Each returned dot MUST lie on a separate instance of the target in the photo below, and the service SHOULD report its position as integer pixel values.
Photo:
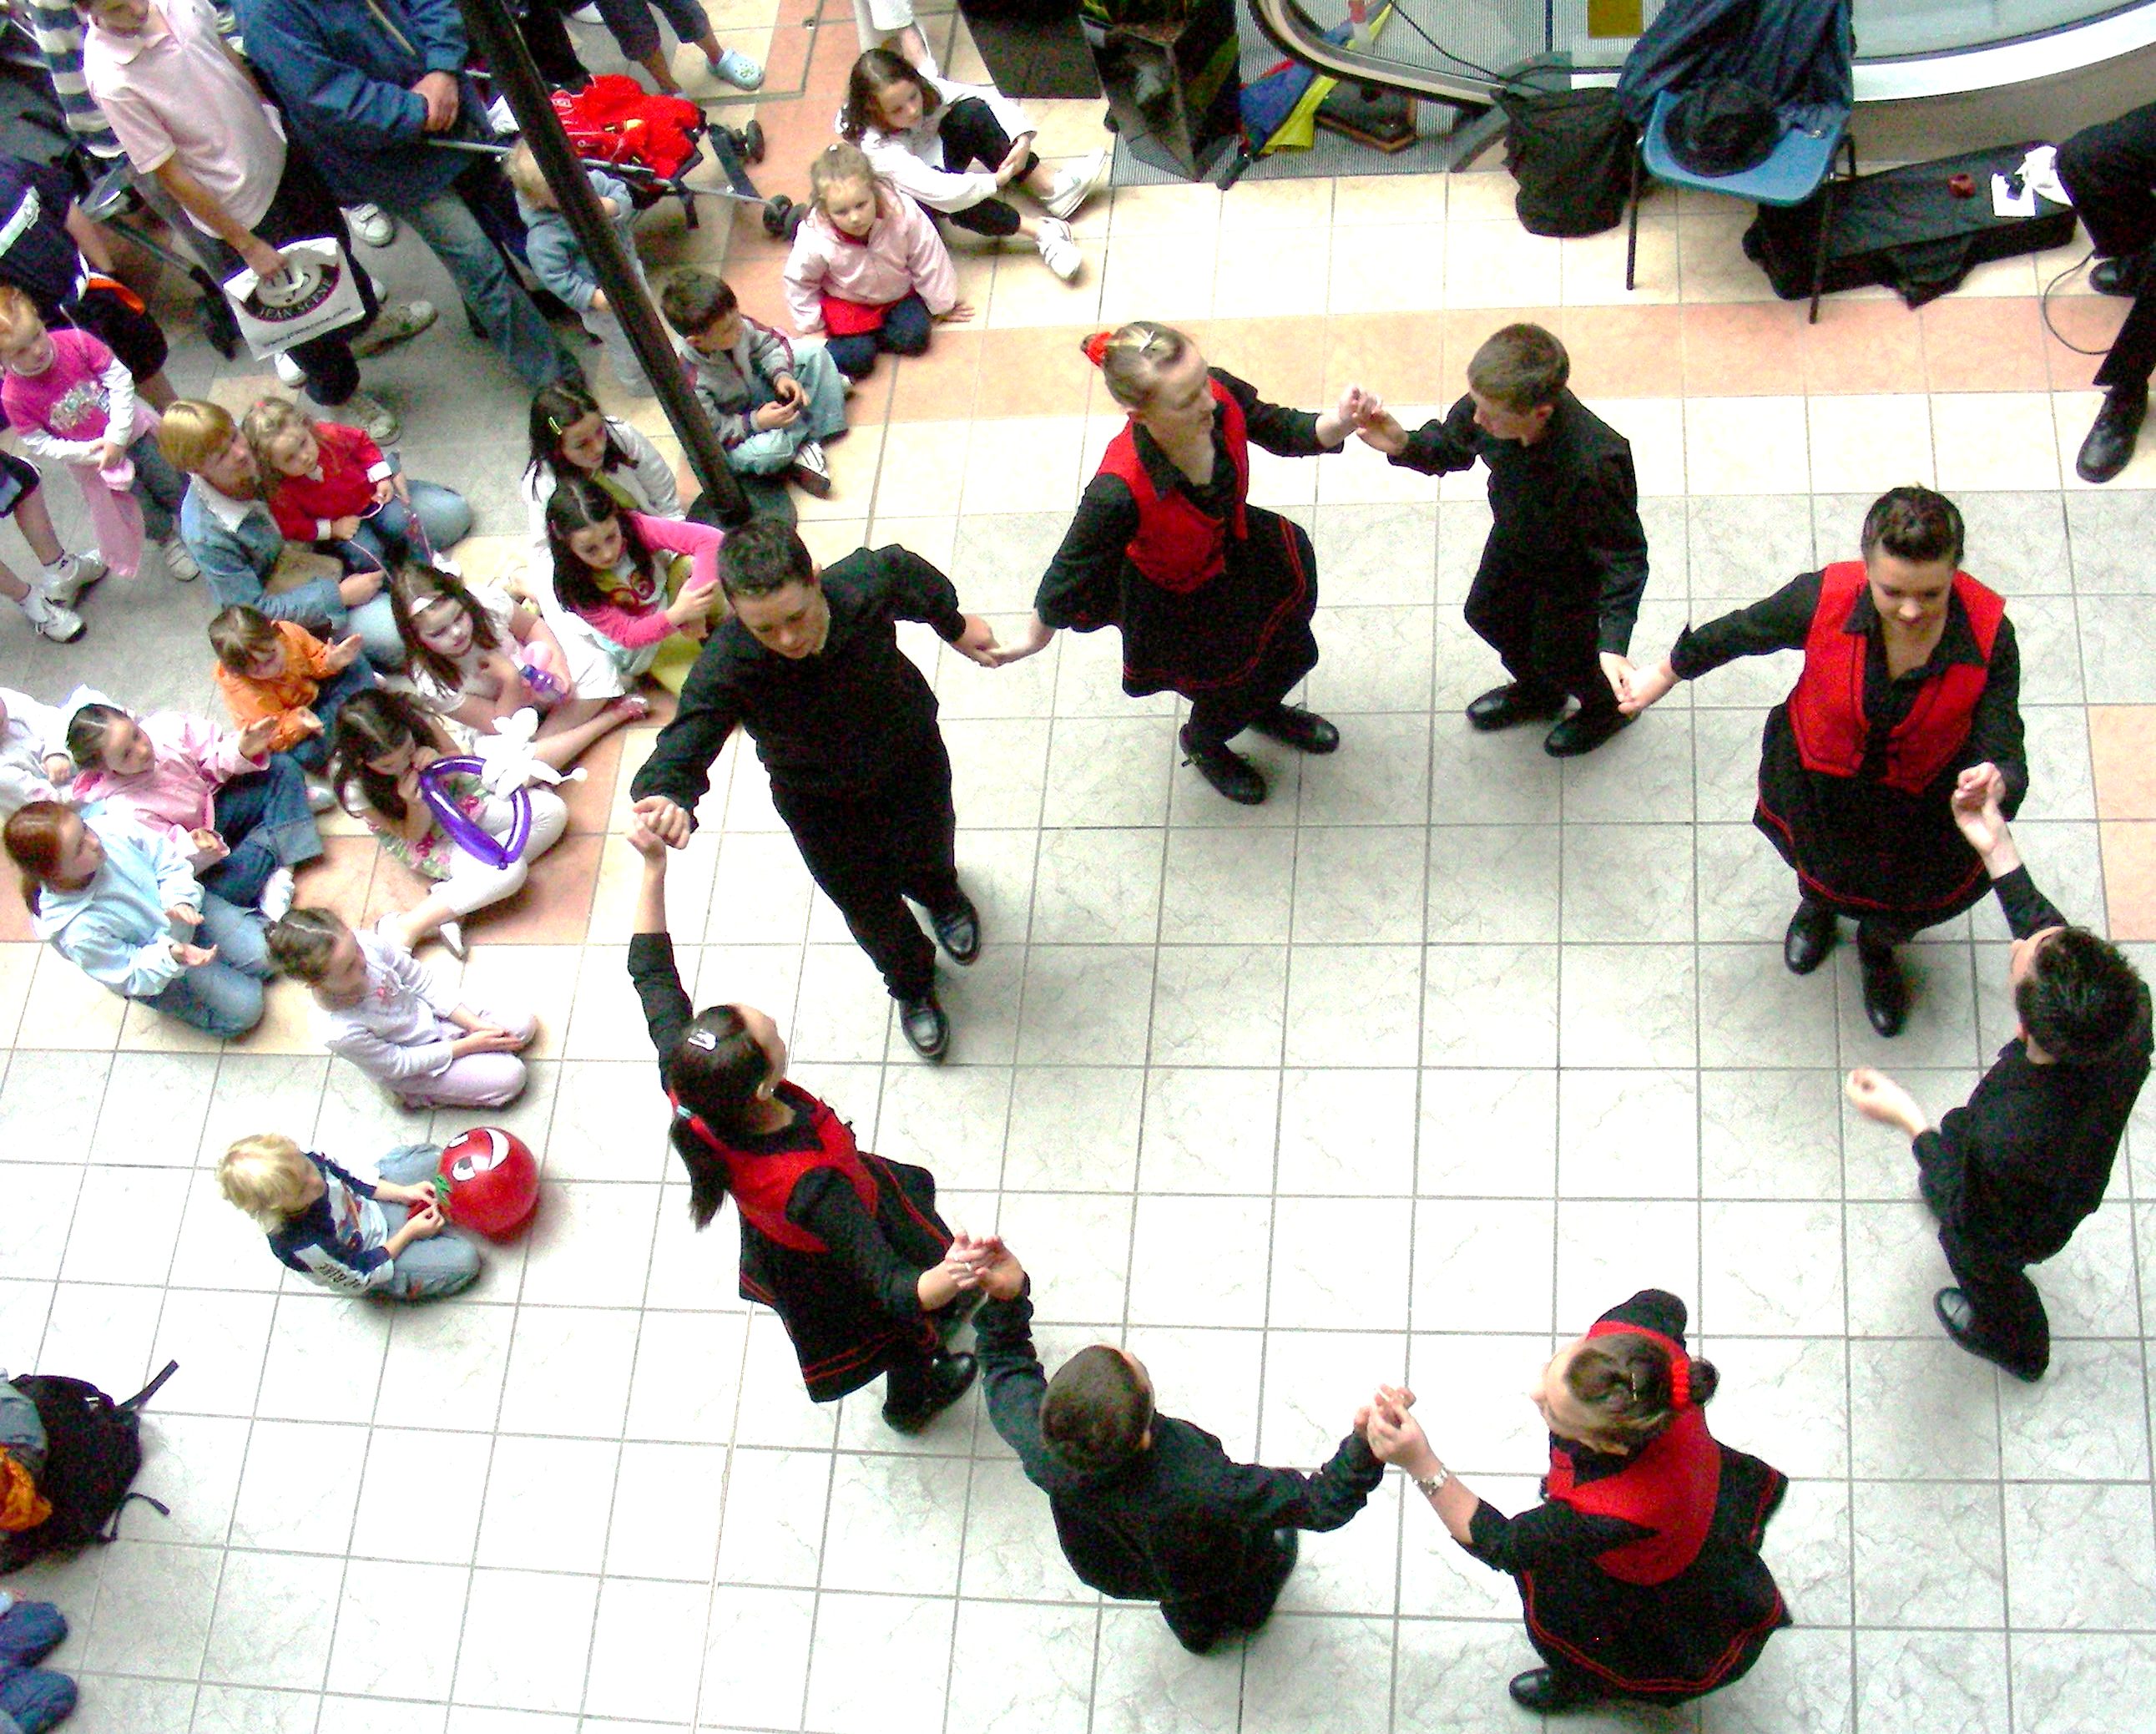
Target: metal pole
(494, 33)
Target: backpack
(93, 1451)
(1571, 151)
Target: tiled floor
(1412, 1068)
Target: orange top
(306, 666)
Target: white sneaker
(68, 577)
(62, 625)
(290, 372)
(451, 933)
(393, 324)
(320, 798)
(178, 561)
(276, 899)
(811, 469)
(377, 418)
(370, 224)
(1059, 252)
(1078, 183)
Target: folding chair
(1800, 165)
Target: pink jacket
(903, 253)
(633, 628)
(177, 794)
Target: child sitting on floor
(388, 1013)
(867, 267)
(335, 1229)
(328, 482)
(771, 408)
(640, 593)
(277, 672)
(558, 260)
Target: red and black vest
(1826, 709)
(1671, 1487)
(762, 1184)
(1178, 546)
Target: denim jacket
(237, 559)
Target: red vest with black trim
(1826, 709)
(1671, 1487)
(762, 1184)
(1178, 546)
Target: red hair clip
(1096, 346)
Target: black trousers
(1547, 642)
(869, 854)
(970, 134)
(906, 1369)
(2009, 1313)
(2111, 172)
(1200, 1622)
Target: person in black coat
(1149, 1508)
(809, 664)
(2011, 1176)
(1558, 588)
(1639, 1572)
(2109, 170)
(845, 1246)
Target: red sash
(1178, 546)
(1670, 1487)
(1826, 708)
(762, 1184)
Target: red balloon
(493, 1180)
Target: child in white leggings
(379, 1007)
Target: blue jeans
(223, 996)
(447, 225)
(905, 330)
(158, 487)
(426, 1269)
(313, 753)
(35, 1697)
(265, 821)
(437, 519)
(767, 453)
(379, 641)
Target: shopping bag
(316, 292)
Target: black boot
(1230, 773)
(926, 1030)
(1886, 992)
(958, 929)
(1293, 726)
(2109, 447)
(1550, 1693)
(950, 1378)
(1811, 935)
(1583, 731)
(1958, 1319)
(1502, 707)
(2122, 276)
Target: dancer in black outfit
(2011, 1176)
(2110, 172)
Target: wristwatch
(1431, 1485)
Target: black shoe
(958, 929)
(1549, 1693)
(1583, 731)
(1292, 726)
(927, 1030)
(1230, 773)
(950, 1378)
(1502, 707)
(955, 1317)
(2109, 447)
(2122, 276)
(1885, 993)
(1958, 1319)
(1812, 933)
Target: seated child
(34, 756)
(571, 435)
(278, 672)
(47, 606)
(480, 656)
(31, 1699)
(383, 740)
(72, 400)
(638, 593)
(385, 1238)
(328, 482)
(558, 260)
(123, 905)
(771, 408)
(867, 267)
(384, 1010)
(241, 814)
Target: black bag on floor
(1905, 229)
(93, 1451)
(1571, 151)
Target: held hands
(1617, 670)
(977, 643)
(1380, 429)
(1037, 635)
(1877, 1097)
(1976, 802)
(1642, 688)
(659, 823)
(1394, 1434)
(1354, 410)
(994, 1269)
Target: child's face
(444, 628)
(793, 620)
(583, 441)
(81, 853)
(122, 18)
(598, 546)
(125, 749)
(393, 763)
(1500, 422)
(899, 105)
(720, 336)
(311, 1188)
(295, 452)
(267, 663)
(27, 348)
(851, 206)
(345, 979)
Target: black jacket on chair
(1797, 53)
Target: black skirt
(844, 1338)
(1668, 1642)
(1248, 628)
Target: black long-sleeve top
(2030, 1156)
(1782, 621)
(1566, 508)
(1082, 588)
(845, 721)
(822, 1202)
(1180, 1520)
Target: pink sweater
(178, 793)
(63, 412)
(640, 618)
(902, 254)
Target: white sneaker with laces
(68, 576)
(178, 561)
(370, 224)
(1059, 252)
(60, 625)
(1077, 183)
(377, 418)
(290, 372)
(277, 892)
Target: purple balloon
(473, 839)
